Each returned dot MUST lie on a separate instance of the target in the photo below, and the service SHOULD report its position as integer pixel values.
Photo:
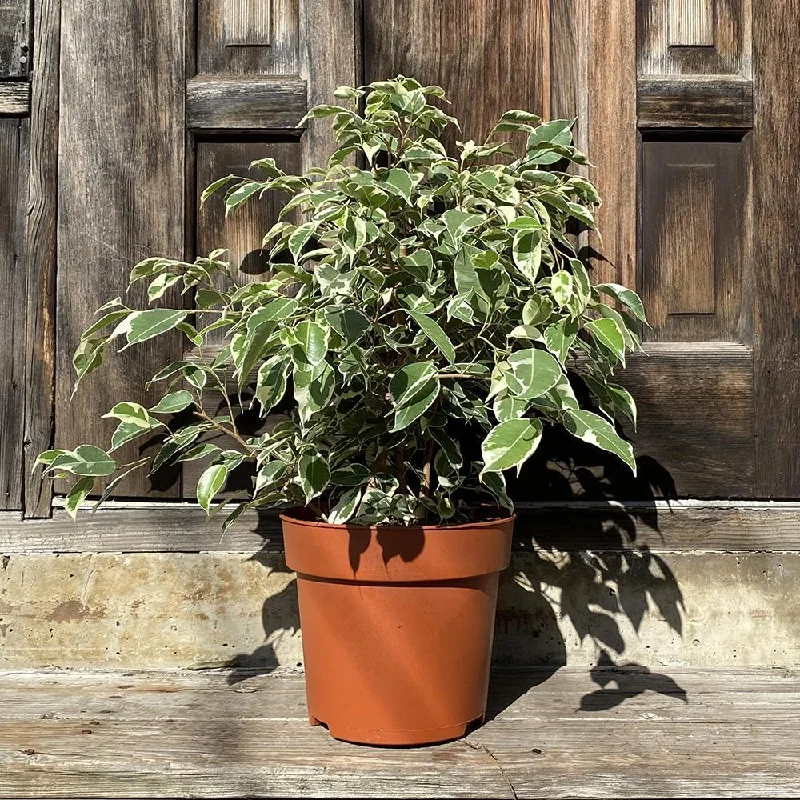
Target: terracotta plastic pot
(397, 626)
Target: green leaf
(104, 321)
(77, 494)
(160, 284)
(271, 384)
(417, 406)
(313, 390)
(607, 332)
(300, 237)
(407, 382)
(495, 482)
(434, 332)
(210, 483)
(195, 375)
(133, 414)
(91, 460)
(126, 432)
(527, 224)
(450, 447)
(345, 508)
(561, 287)
(174, 402)
(349, 323)
(595, 430)
(350, 475)
(144, 325)
(240, 194)
(626, 296)
(88, 358)
(557, 132)
(197, 452)
(218, 184)
(537, 310)
(275, 311)
(533, 372)
(510, 444)
(401, 183)
(507, 407)
(527, 252)
(267, 166)
(559, 337)
(314, 475)
(458, 222)
(312, 338)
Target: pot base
(398, 738)
(397, 626)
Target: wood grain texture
(215, 56)
(247, 22)
(242, 232)
(687, 733)
(15, 38)
(612, 129)
(477, 49)
(695, 272)
(691, 23)
(687, 236)
(696, 416)
(15, 98)
(330, 56)
(121, 195)
(674, 526)
(731, 52)
(234, 103)
(695, 102)
(776, 249)
(40, 345)
(13, 205)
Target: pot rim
(489, 523)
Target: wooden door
(115, 114)
(664, 95)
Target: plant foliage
(424, 320)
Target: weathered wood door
(115, 115)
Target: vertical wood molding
(330, 56)
(776, 247)
(247, 22)
(691, 23)
(13, 205)
(40, 343)
(120, 198)
(613, 136)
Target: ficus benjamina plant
(424, 319)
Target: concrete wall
(151, 610)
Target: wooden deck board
(574, 733)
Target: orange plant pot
(397, 625)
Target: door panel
(120, 197)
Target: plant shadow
(581, 571)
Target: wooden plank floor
(572, 733)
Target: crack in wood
(482, 748)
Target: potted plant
(424, 320)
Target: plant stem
(459, 375)
(232, 432)
(427, 469)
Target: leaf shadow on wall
(582, 570)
